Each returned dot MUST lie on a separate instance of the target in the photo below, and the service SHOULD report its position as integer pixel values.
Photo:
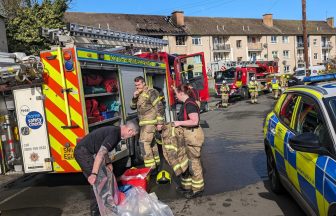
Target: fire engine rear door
(33, 130)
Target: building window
(238, 43)
(285, 39)
(196, 41)
(315, 42)
(239, 59)
(181, 40)
(315, 56)
(275, 54)
(273, 39)
(286, 68)
(286, 53)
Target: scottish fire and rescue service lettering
(34, 120)
(134, 61)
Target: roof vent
(243, 28)
(223, 27)
(248, 28)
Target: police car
(300, 144)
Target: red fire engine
(238, 77)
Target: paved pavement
(234, 169)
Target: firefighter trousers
(276, 93)
(254, 96)
(225, 100)
(148, 147)
(193, 179)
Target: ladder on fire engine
(99, 38)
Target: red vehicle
(184, 69)
(238, 77)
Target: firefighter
(150, 110)
(192, 182)
(253, 89)
(194, 94)
(284, 83)
(99, 143)
(275, 87)
(225, 90)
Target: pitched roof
(163, 25)
(135, 24)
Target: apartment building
(227, 39)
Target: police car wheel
(273, 174)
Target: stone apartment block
(3, 38)
(226, 39)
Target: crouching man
(93, 149)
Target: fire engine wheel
(244, 93)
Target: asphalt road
(234, 168)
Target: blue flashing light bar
(320, 78)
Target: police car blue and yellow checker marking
(307, 178)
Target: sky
(281, 9)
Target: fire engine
(238, 77)
(85, 87)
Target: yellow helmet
(163, 177)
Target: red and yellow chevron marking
(59, 109)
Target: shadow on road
(285, 201)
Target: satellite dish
(265, 45)
(284, 62)
(276, 59)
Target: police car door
(32, 129)
(310, 167)
(282, 131)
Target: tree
(25, 18)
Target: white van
(300, 73)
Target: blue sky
(281, 9)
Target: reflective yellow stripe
(185, 162)
(186, 183)
(173, 131)
(149, 161)
(180, 165)
(147, 122)
(170, 147)
(157, 100)
(197, 182)
(157, 157)
(87, 54)
(145, 95)
(159, 118)
(315, 93)
(292, 124)
(197, 185)
(158, 141)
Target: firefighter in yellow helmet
(225, 90)
(150, 109)
(253, 89)
(192, 182)
(275, 87)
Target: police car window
(309, 120)
(287, 109)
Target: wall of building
(3, 38)
(295, 52)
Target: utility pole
(305, 36)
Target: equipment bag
(111, 85)
(92, 80)
(92, 107)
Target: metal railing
(255, 46)
(225, 47)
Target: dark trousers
(85, 160)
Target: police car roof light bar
(320, 78)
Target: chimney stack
(330, 22)
(268, 20)
(178, 18)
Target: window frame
(282, 104)
(276, 39)
(283, 54)
(240, 43)
(285, 41)
(316, 56)
(320, 113)
(277, 54)
(285, 68)
(198, 39)
(180, 36)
